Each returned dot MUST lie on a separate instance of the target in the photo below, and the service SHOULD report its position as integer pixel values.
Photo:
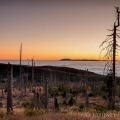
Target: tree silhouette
(112, 47)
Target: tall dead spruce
(111, 46)
(20, 83)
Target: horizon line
(51, 59)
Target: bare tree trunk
(32, 74)
(9, 91)
(40, 100)
(46, 93)
(86, 92)
(2, 87)
(56, 104)
(36, 99)
(20, 82)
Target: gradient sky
(55, 29)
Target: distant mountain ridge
(67, 59)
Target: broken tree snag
(20, 82)
(46, 94)
(36, 100)
(56, 104)
(9, 90)
(86, 90)
(40, 101)
(32, 74)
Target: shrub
(63, 104)
(30, 109)
(71, 101)
(32, 112)
(53, 91)
(81, 107)
(101, 109)
(25, 104)
(2, 114)
(28, 105)
(63, 93)
(74, 92)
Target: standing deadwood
(55, 81)
(56, 103)
(36, 100)
(27, 83)
(20, 83)
(9, 90)
(24, 82)
(76, 91)
(2, 87)
(34, 82)
(51, 77)
(98, 85)
(112, 48)
(40, 99)
(114, 59)
(119, 89)
(32, 74)
(46, 93)
(86, 91)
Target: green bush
(83, 89)
(81, 107)
(62, 89)
(105, 95)
(30, 109)
(32, 112)
(2, 114)
(71, 101)
(94, 90)
(53, 91)
(25, 104)
(63, 104)
(73, 91)
(28, 105)
(101, 109)
(63, 93)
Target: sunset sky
(55, 29)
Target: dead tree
(46, 93)
(9, 90)
(32, 73)
(40, 98)
(86, 91)
(112, 47)
(20, 83)
(36, 99)
(2, 87)
(56, 103)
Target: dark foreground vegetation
(51, 93)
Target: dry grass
(19, 115)
(91, 115)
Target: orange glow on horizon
(52, 57)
